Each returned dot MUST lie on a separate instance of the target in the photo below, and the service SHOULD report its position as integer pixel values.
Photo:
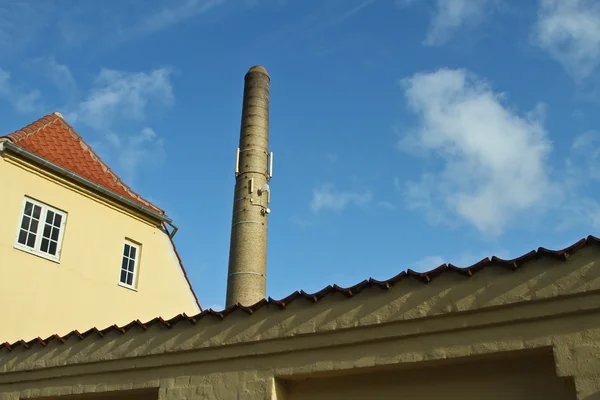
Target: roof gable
(54, 140)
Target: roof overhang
(29, 156)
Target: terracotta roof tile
(424, 277)
(53, 139)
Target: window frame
(136, 264)
(36, 250)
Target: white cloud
(452, 15)
(59, 74)
(23, 101)
(169, 16)
(387, 205)
(99, 22)
(328, 197)
(120, 94)
(570, 31)
(146, 148)
(584, 160)
(582, 172)
(493, 160)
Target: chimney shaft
(246, 280)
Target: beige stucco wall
(537, 330)
(524, 375)
(39, 297)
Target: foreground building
(527, 328)
(78, 248)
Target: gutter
(4, 145)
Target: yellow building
(78, 248)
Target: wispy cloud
(387, 205)
(59, 74)
(354, 10)
(569, 30)
(22, 100)
(122, 96)
(105, 24)
(451, 15)
(581, 173)
(14, 16)
(327, 197)
(494, 159)
(166, 17)
(584, 159)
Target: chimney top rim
(258, 68)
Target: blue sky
(406, 133)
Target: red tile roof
(53, 139)
(425, 277)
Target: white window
(41, 230)
(129, 265)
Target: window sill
(37, 253)
(127, 287)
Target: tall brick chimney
(246, 279)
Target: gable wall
(41, 297)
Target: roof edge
(57, 117)
(424, 277)
(9, 145)
(187, 279)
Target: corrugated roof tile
(53, 139)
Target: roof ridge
(425, 277)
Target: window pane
(25, 222)
(34, 226)
(130, 279)
(131, 265)
(28, 208)
(53, 246)
(44, 246)
(49, 217)
(126, 250)
(55, 232)
(124, 263)
(123, 276)
(36, 212)
(31, 240)
(132, 252)
(23, 236)
(57, 220)
(47, 229)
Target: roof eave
(8, 145)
